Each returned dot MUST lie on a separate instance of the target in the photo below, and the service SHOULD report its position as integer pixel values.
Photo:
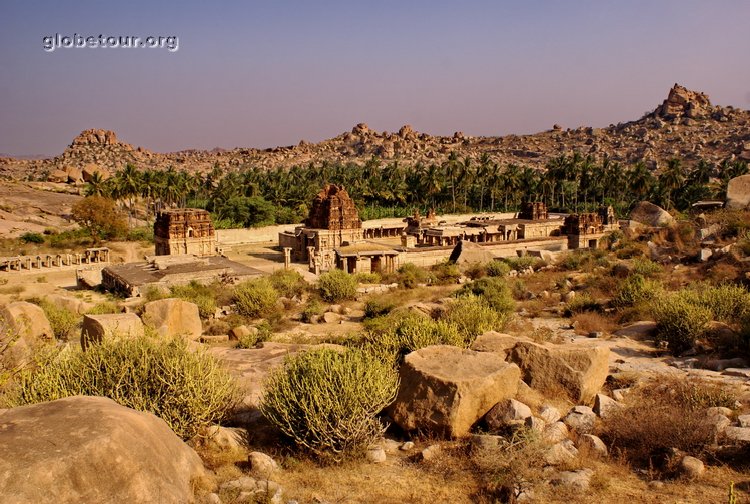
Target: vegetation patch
(326, 401)
(188, 389)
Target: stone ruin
(334, 210)
(590, 222)
(536, 210)
(184, 231)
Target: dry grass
(587, 322)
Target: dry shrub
(663, 415)
(513, 467)
(326, 402)
(588, 322)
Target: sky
(262, 74)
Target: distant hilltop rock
(95, 137)
(683, 102)
(685, 125)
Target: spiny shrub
(188, 389)
(680, 321)
(493, 290)
(326, 402)
(635, 289)
(497, 269)
(198, 294)
(646, 267)
(522, 263)
(473, 315)
(103, 308)
(445, 273)
(337, 285)
(312, 310)
(582, 302)
(401, 333)
(410, 275)
(65, 324)
(288, 283)
(379, 306)
(727, 302)
(255, 298)
(368, 278)
(30, 237)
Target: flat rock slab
(446, 390)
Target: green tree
(100, 217)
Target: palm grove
(252, 196)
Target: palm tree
(671, 179)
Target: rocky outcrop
(738, 192)
(649, 214)
(579, 371)
(682, 102)
(96, 328)
(90, 449)
(685, 125)
(446, 390)
(25, 327)
(173, 317)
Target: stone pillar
(287, 257)
(311, 256)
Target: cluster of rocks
(684, 125)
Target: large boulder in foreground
(90, 449)
(652, 215)
(25, 327)
(174, 317)
(446, 390)
(579, 371)
(738, 192)
(96, 328)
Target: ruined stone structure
(533, 211)
(184, 231)
(334, 210)
(585, 229)
(94, 255)
(333, 221)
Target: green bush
(368, 278)
(103, 308)
(680, 321)
(337, 285)
(313, 309)
(400, 333)
(65, 324)
(582, 302)
(727, 302)
(251, 340)
(445, 273)
(473, 315)
(326, 402)
(410, 275)
(494, 291)
(188, 389)
(523, 263)
(646, 267)
(255, 298)
(379, 306)
(199, 294)
(288, 283)
(30, 237)
(635, 289)
(497, 269)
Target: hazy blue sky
(260, 74)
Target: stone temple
(186, 251)
(184, 231)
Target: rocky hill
(686, 124)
